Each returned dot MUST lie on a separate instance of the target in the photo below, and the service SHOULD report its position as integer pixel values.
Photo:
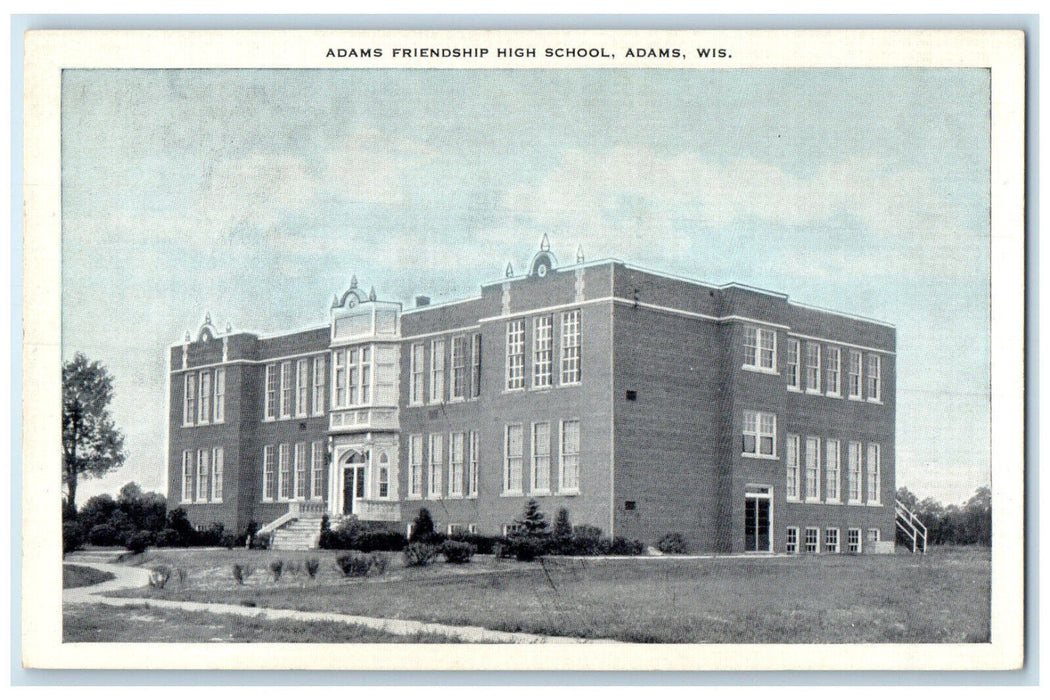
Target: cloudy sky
(256, 194)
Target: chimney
(422, 301)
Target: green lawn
(74, 576)
(942, 597)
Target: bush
(102, 535)
(72, 536)
(672, 543)
(528, 547)
(293, 568)
(378, 561)
(242, 572)
(419, 553)
(167, 538)
(457, 552)
(276, 567)
(587, 532)
(623, 547)
(229, 540)
(483, 544)
(261, 541)
(312, 565)
(139, 542)
(532, 519)
(354, 564)
(158, 576)
(423, 528)
(356, 537)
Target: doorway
(353, 480)
(758, 522)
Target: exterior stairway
(297, 535)
(911, 527)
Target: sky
(256, 195)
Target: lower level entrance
(353, 480)
(757, 520)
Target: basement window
(630, 505)
(632, 395)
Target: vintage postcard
(572, 350)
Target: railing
(296, 510)
(911, 526)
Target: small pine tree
(422, 526)
(533, 521)
(562, 525)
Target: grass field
(74, 576)
(942, 597)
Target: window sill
(814, 392)
(854, 503)
(813, 500)
(519, 390)
(856, 398)
(833, 502)
(875, 401)
(792, 499)
(751, 455)
(760, 370)
(834, 394)
(569, 492)
(511, 494)
(794, 389)
(457, 399)
(875, 504)
(411, 497)
(544, 492)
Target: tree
(91, 444)
(533, 521)
(422, 527)
(908, 498)
(562, 524)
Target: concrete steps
(297, 535)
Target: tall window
(384, 475)
(217, 459)
(220, 395)
(569, 457)
(189, 412)
(813, 368)
(832, 468)
(853, 473)
(271, 391)
(318, 397)
(317, 459)
(812, 469)
(516, 354)
(794, 377)
(284, 471)
(812, 540)
(833, 372)
(366, 374)
(436, 462)
(542, 350)
(760, 433)
(512, 459)
(760, 348)
(792, 541)
(793, 467)
(541, 457)
(415, 462)
(203, 474)
(205, 400)
(455, 467)
(302, 388)
(459, 367)
(853, 540)
(269, 475)
(874, 378)
(437, 371)
(831, 540)
(418, 369)
(301, 484)
(287, 389)
(475, 365)
(854, 374)
(187, 476)
(874, 476)
(339, 377)
(353, 376)
(472, 465)
(570, 347)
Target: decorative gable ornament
(544, 261)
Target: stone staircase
(299, 534)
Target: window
(353, 376)
(459, 367)
(217, 459)
(812, 540)
(437, 371)
(874, 378)
(436, 462)
(853, 473)
(874, 478)
(832, 468)
(271, 391)
(570, 347)
(541, 457)
(366, 374)
(512, 460)
(831, 540)
(318, 397)
(472, 466)
(792, 541)
(203, 474)
(301, 484)
(287, 389)
(455, 467)
(833, 373)
(205, 398)
(874, 535)
(569, 458)
(813, 368)
(542, 351)
(794, 378)
(317, 459)
(415, 461)
(793, 468)
(416, 392)
(301, 386)
(220, 395)
(516, 354)
(853, 540)
(475, 365)
(189, 412)
(384, 475)
(854, 374)
(760, 348)
(760, 434)
(339, 377)
(812, 469)
(269, 476)
(284, 472)
(187, 476)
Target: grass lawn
(74, 576)
(942, 597)
(142, 623)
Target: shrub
(276, 567)
(102, 535)
(423, 527)
(158, 576)
(483, 544)
(261, 541)
(672, 543)
(167, 538)
(378, 561)
(623, 547)
(182, 575)
(229, 540)
(242, 572)
(312, 565)
(527, 547)
(419, 553)
(139, 542)
(72, 536)
(354, 564)
(357, 537)
(562, 525)
(457, 552)
(532, 519)
(587, 532)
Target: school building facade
(642, 402)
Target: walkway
(136, 577)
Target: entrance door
(353, 480)
(757, 522)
